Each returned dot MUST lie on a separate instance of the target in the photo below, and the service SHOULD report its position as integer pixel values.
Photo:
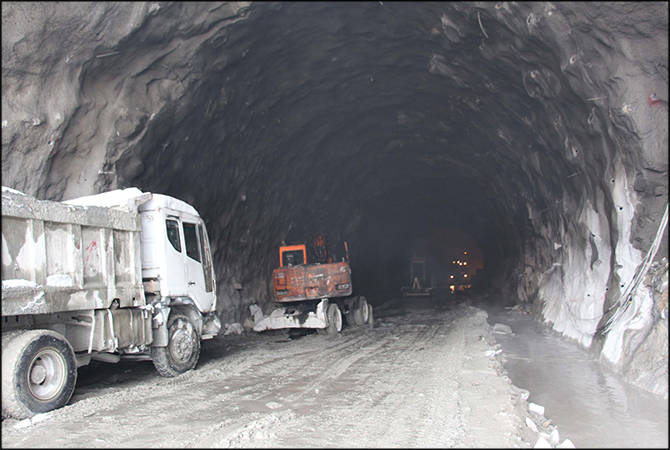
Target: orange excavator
(314, 290)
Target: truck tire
(39, 372)
(362, 312)
(349, 317)
(334, 316)
(183, 349)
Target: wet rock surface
(590, 404)
(540, 128)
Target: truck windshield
(207, 264)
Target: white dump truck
(118, 275)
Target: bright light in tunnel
(453, 243)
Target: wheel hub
(182, 344)
(38, 374)
(47, 374)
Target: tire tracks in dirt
(416, 380)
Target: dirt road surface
(426, 375)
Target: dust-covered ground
(428, 374)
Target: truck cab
(176, 256)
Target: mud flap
(280, 319)
(211, 327)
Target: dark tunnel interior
(374, 123)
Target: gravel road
(426, 375)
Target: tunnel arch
(538, 128)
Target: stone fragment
(25, 423)
(524, 393)
(554, 438)
(566, 444)
(39, 418)
(248, 324)
(256, 312)
(492, 353)
(236, 328)
(502, 329)
(531, 424)
(542, 443)
(536, 408)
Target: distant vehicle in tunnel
(313, 290)
(459, 280)
(118, 275)
(421, 282)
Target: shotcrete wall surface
(540, 128)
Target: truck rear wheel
(334, 316)
(362, 312)
(39, 372)
(349, 317)
(183, 349)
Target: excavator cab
(292, 255)
(298, 255)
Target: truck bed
(59, 257)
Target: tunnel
(532, 137)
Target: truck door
(175, 274)
(198, 265)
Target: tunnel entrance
(539, 129)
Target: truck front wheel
(183, 349)
(39, 372)
(334, 316)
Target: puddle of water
(589, 403)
